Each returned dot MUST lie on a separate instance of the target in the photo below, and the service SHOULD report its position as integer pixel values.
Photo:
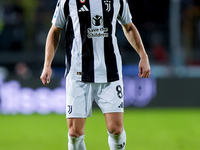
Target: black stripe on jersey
(66, 9)
(110, 58)
(69, 37)
(87, 45)
(121, 7)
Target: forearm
(134, 39)
(51, 45)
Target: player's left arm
(135, 40)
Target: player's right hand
(46, 75)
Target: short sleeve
(124, 16)
(59, 17)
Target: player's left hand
(144, 68)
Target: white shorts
(80, 96)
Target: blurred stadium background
(162, 111)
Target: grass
(146, 129)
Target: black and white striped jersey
(92, 53)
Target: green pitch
(146, 129)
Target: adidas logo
(83, 9)
(121, 105)
(121, 146)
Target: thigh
(114, 122)
(76, 126)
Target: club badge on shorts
(82, 1)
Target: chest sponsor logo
(98, 31)
(97, 20)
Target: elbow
(128, 28)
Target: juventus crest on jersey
(92, 53)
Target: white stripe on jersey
(77, 44)
(100, 75)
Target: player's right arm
(50, 50)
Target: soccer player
(93, 64)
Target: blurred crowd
(12, 27)
(24, 26)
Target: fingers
(140, 72)
(45, 78)
(144, 68)
(144, 73)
